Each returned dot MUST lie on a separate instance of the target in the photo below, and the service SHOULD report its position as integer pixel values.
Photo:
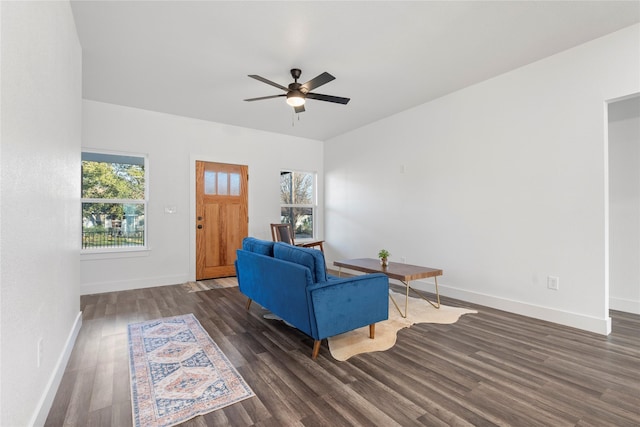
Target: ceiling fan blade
(269, 82)
(299, 109)
(266, 97)
(328, 98)
(317, 82)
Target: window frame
(144, 202)
(313, 205)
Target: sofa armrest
(277, 285)
(341, 305)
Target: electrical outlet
(40, 351)
(553, 283)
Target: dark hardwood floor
(490, 368)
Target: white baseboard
(125, 285)
(626, 305)
(574, 320)
(44, 405)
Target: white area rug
(349, 344)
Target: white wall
(624, 202)
(172, 144)
(500, 184)
(39, 214)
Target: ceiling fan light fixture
(295, 98)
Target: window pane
(209, 182)
(111, 225)
(286, 188)
(303, 189)
(300, 218)
(222, 183)
(296, 188)
(235, 184)
(108, 177)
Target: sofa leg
(316, 349)
(372, 330)
(248, 303)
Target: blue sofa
(293, 284)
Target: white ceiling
(192, 58)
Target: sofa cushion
(262, 247)
(313, 259)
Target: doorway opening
(624, 203)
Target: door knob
(199, 225)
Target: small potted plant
(384, 257)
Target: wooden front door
(221, 217)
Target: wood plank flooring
(488, 369)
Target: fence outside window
(114, 233)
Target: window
(114, 201)
(298, 202)
(221, 182)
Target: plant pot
(384, 262)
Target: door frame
(193, 158)
(621, 305)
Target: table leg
(406, 301)
(393, 300)
(437, 305)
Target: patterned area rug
(349, 344)
(179, 372)
(207, 285)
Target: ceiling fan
(297, 93)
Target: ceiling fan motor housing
(295, 73)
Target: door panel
(221, 217)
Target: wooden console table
(395, 270)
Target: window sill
(115, 253)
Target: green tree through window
(113, 200)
